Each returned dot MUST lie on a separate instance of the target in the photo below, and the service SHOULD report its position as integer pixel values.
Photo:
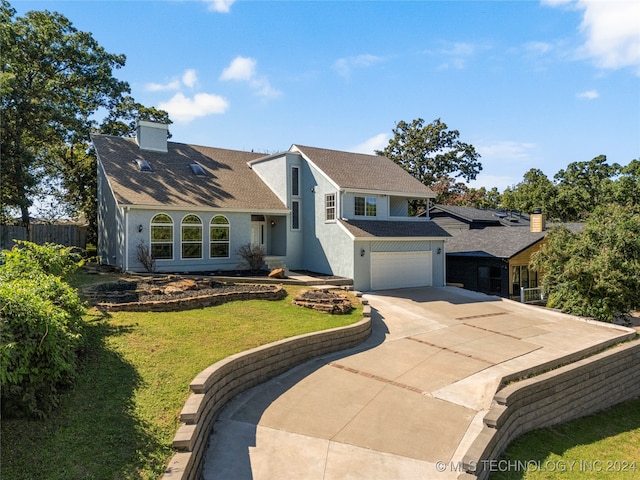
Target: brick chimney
(152, 136)
(537, 221)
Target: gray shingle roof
(393, 229)
(501, 242)
(480, 216)
(228, 183)
(366, 172)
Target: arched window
(191, 237)
(162, 237)
(219, 237)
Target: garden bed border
(200, 301)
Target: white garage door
(400, 270)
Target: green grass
(604, 446)
(119, 420)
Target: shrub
(40, 327)
(253, 256)
(26, 257)
(145, 258)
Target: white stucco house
(312, 209)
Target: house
(490, 250)
(311, 209)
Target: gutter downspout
(126, 239)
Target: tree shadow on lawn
(95, 432)
(552, 444)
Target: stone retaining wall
(558, 396)
(215, 386)
(202, 301)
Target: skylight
(197, 169)
(143, 165)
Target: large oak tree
(432, 153)
(54, 81)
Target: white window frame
(367, 202)
(184, 242)
(296, 215)
(226, 242)
(153, 225)
(330, 207)
(295, 181)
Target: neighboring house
(312, 209)
(490, 250)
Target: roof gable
(359, 171)
(227, 183)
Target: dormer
(152, 136)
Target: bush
(26, 257)
(253, 256)
(40, 327)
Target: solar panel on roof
(143, 165)
(197, 169)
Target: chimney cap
(151, 124)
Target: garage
(401, 270)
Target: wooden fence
(69, 235)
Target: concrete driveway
(409, 398)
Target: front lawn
(120, 418)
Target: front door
(259, 234)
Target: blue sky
(529, 84)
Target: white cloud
(613, 33)
(377, 142)
(183, 109)
(240, 68)
(588, 94)
(189, 78)
(344, 66)
(457, 54)
(262, 87)
(160, 87)
(611, 29)
(506, 150)
(220, 6)
(538, 48)
(244, 69)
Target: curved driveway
(410, 397)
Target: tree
(54, 80)
(627, 187)
(535, 191)
(449, 192)
(594, 273)
(432, 152)
(582, 186)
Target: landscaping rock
(277, 273)
(324, 301)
